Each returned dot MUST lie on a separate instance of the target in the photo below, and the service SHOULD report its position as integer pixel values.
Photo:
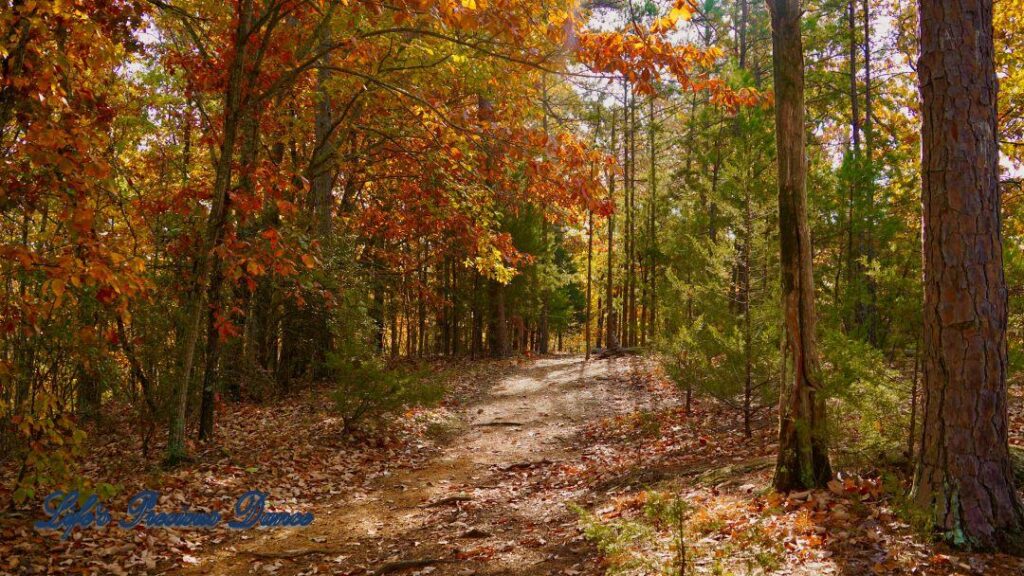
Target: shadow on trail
(484, 505)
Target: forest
(511, 287)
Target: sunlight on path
(469, 498)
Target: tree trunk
(652, 319)
(212, 357)
(377, 316)
(627, 180)
(912, 437)
(89, 383)
(870, 308)
(590, 277)
(498, 331)
(611, 338)
(630, 298)
(803, 446)
(320, 172)
(854, 270)
(744, 299)
(543, 335)
(456, 311)
(742, 33)
(248, 152)
(212, 234)
(963, 476)
(421, 310)
(478, 319)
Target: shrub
(51, 446)
(870, 399)
(368, 391)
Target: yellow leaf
(470, 4)
(558, 17)
(665, 23)
(680, 12)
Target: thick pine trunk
(803, 444)
(963, 475)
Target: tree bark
(611, 338)
(212, 233)
(744, 301)
(498, 331)
(478, 319)
(803, 445)
(543, 336)
(590, 277)
(627, 181)
(320, 171)
(963, 477)
(870, 307)
(854, 270)
(652, 320)
(630, 297)
(249, 149)
(912, 437)
(742, 44)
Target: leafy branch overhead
(620, 254)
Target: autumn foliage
(201, 199)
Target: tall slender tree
(803, 445)
(612, 338)
(202, 290)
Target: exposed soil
(479, 507)
(489, 482)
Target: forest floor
(532, 467)
(482, 505)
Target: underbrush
(690, 495)
(869, 407)
(369, 394)
(869, 400)
(667, 533)
(290, 448)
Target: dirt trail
(480, 507)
